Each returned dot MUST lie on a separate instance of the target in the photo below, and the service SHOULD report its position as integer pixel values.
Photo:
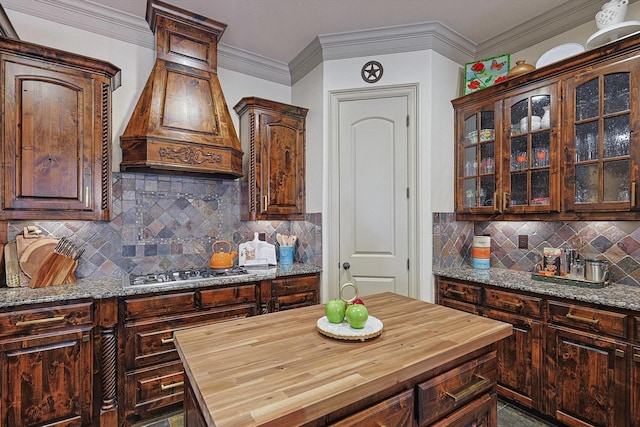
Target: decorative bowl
(487, 134)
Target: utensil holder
(286, 255)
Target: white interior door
(373, 194)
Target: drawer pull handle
(455, 291)
(38, 321)
(471, 390)
(636, 358)
(581, 319)
(518, 305)
(164, 387)
(166, 340)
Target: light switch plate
(523, 241)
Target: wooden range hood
(181, 123)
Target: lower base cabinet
(635, 384)
(46, 366)
(571, 361)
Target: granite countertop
(613, 295)
(113, 286)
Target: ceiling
(281, 29)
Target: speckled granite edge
(113, 287)
(614, 295)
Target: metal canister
(596, 270)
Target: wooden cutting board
(11, 265)
(33, 255)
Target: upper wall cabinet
(273, 139)
(56, 133)
(560, 142)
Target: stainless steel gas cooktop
(184, 276)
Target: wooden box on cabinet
(56, 133)
(46, 365)
(273, 140)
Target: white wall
(436, 87)
(136, 63)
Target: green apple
(335, 310)
(357, 316)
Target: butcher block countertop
(277, 369)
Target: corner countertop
(277, 369)
(613, 295)
(113, 286)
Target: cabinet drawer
(34, 320)
(151, 341)
(513, 303)
(454, 388)
(292, 285)
(287, 302)
(480, 412)
(460, 291)
(225, 296)
(158, 305)
(395, 411)
(152, 390)
(591, 319)
(459, 305)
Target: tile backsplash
(615, 241)
(161, 222)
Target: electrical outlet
(523, 241)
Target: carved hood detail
(181, 123)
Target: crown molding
(381, 41)
(433, 35)
(568, 15)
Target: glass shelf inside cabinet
(479, 158)
(602, 136)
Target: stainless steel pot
(596, 270)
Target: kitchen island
(430, 364)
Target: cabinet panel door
(49, 121)
(282, 172)
(478, 134)
(586, 378)
(520, 359)
(531, 157)
(635, 388)
(47, 380)
(602, 152)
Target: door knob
(346, 265)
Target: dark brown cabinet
(273, 140)
(560, 142)
(571, 361)
(56, 133)
(634, 377)
(46, 364)
(293, 292)
(152, 377)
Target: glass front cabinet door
(531, 182)
(602, 151)
(478, 154)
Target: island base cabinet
(482, 412)
(396, 411)
(453, 389)
(586, 378)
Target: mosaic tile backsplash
(162, 222)
(615, 241)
